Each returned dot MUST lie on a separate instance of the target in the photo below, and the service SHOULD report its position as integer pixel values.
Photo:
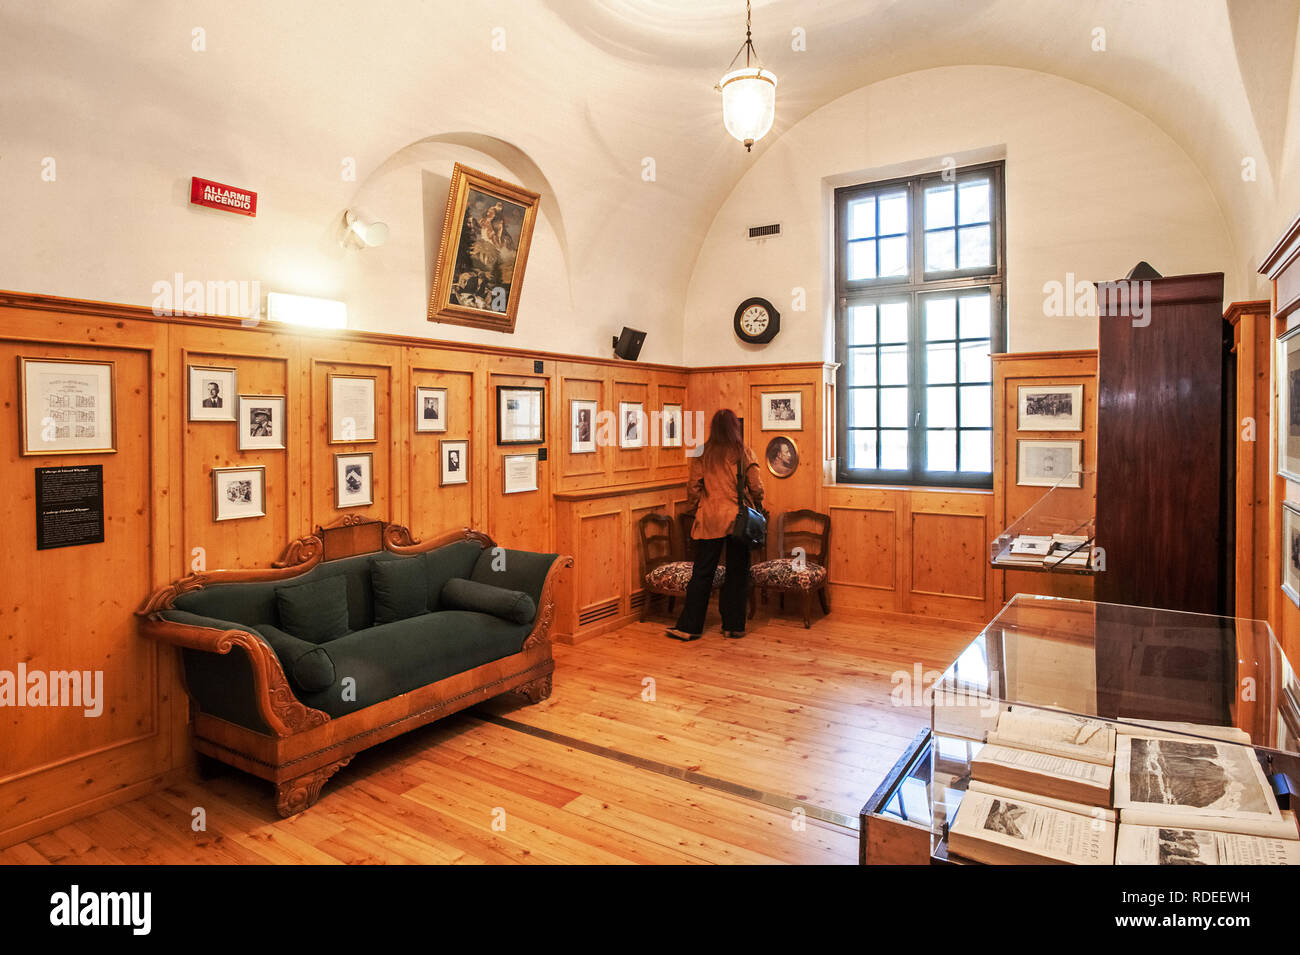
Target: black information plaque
(69, 506)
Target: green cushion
(308, 665)
(513, 570)
(315, 611)
(512, 605)
(401, 589)
(448, 562)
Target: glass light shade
(748, 103)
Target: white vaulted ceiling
(583, 94)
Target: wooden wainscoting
(1252, 341)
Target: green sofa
(337, 655)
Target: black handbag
(750, 527)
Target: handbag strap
(740, 482)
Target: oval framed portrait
(782, 456)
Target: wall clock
(757, 321)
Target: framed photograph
(430, 410)
(520, 472)
(1291, 552)
(455, 462)
(212, 393)
(782, 456)
(238, 493)
(66, 406)
(353, 479)
(1049, 463)
(1288, 404)
(261, 422)
(1050, 408)
(582, 426)
(521, 418)
(782, 410)
(486, 234)
(631, 424)
(352, 408)
(672, 426)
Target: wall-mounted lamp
(305, 310)
(361, 235)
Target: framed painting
(582, 420)
(455, 462)
(1049, 463)
(1288, 404)
(212, 393)
(430, 410)
(1291, 552)
(353, 479)
(486, 235)
(66, 406)
(261, 422)
(238, 493)
(782, 410)
(1049, 408)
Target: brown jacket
(714, 491)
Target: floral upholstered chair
(663, 571)
(803, 572)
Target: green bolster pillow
(308, 665)
(512, 605)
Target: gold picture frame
(486, 235)
(39, 433)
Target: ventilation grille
(638, 600)
(596, 612)
(765, 231)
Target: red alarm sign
(215, 195)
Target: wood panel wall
(1252, 330)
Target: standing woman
(713, 492)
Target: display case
(1059, 519)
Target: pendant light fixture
(748, 94)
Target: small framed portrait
(430, 410)
(66, 406)
(521, 417)
(455, 462)
(582, 426)
(631, 424)
(519, 472)
(354, 479)
(1288, 404)
(212, 393)
(351, 408)
(261, 422)
(1049, 463)
(672, 426)
(1291, 552)
(1050, 408)
(782, 410)
(782, 456)
(238, 493)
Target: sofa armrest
(541, 632)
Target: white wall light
(361, 235)
(304, 310)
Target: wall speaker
(628, 344)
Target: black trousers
(734, 589)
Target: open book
(1165, 845)
(1000, 830)
(1046, 731)
(1043, 773)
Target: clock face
(754, 320)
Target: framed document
(353, 479)
(261, 422)
(1288, 404)
(1050, 408)
(631, 424)
(1291, 552)
(238, 493)
(455, 462)
(212, 393)
(672, 426)
(582, 426)
(520, 417)
(1049, 463)
(430, 410)
(782, 410)
(520, 472)
(352, 408)
(66, 406)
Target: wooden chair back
(808, 529)
(655, 534)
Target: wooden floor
(800, 714)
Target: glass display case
(1054, 520)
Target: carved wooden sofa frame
(306, 746)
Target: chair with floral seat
(663, 571)
(803, 541)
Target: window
(918, 283)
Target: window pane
(893, 365)
(939, 207)
(941, 407)
(862, 407)
(975, 315)
(973, 201)
(977, 451)
(893, 214)
(893, 322)
(940, 318)
(862, 218)
(893, 450)
(940, 364)
(893, 407)
(975, 364)
(941, 450)
(862, 325)
(893, 256)
(862, 449)
(976, 247)
(862, 366)
(939, 252)
(862, 260)
(976, 406)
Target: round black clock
(757, 321)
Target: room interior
(435, 302)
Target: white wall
(1092, 187)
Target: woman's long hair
(725, 442)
